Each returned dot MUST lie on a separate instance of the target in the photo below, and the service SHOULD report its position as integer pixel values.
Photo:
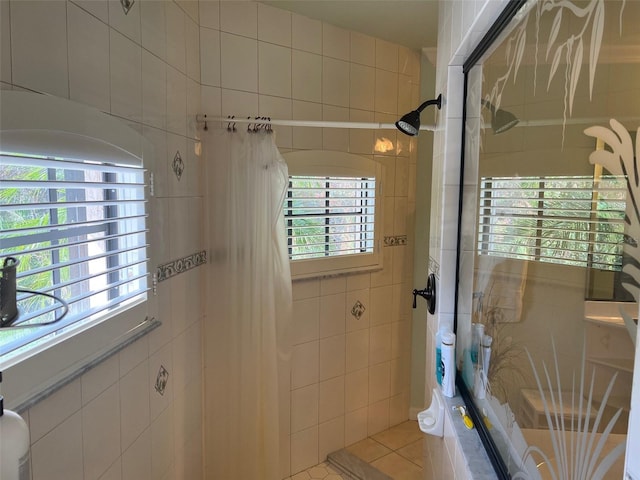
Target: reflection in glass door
(550, 240)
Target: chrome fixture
(501, 120)
(409, 124)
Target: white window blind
(330, 216)
(564, 220)
(78, 229)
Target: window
(329, 216)
(78, 231)
(332, 212)
(73, 212)
(565, 220)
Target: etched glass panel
(550, 237)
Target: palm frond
(577, 451)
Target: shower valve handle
(428, 293)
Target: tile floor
(398, 452)
(323, 471)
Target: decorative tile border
(395, 241)
(181, 265)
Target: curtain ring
(230, 117)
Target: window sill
(468, 443)
(49, 388)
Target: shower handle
(428, 293)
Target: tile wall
(138, 414)
(155, 68)
(350, 374)
(462, 24)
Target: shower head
(501, 120)
(409, 124)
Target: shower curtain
(249, 308)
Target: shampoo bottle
(448, 364)
(441, 330)
(14, 445)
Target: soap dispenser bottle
(14, 445)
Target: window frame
(578, 220)
(51, 126)
(329, 163)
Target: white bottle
(486, 354)
(14, 446)
(448, 364)
(477, 333)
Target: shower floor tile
(399, 436)
(368, 450)
(321, 472)
(397, 452)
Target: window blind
(572, 220)
(329, 216)
(78, 229)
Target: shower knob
(428, 293)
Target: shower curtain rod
(203, 118)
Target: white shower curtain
(249, 308)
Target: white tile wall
(209, 14)
(154, 92)
(210, 56)
(335, 42)
(304, 407)
(39, 62)
(306, 34)
(111, 423)
(59, 454)
(97, 8)
(239, 62)
(5, 42)
(88, 43)
(152, 26)
(101, 444)
(125, 66)
(363, 49)
(460, 30)
(362, 87)
(136, 460)
(274, 70)
(129, 24)
(331, 399)
(176, 39)
(335, 82)
(147, 67)
(274, 25)
(332, 357)
(306, 77)
(240, 18)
